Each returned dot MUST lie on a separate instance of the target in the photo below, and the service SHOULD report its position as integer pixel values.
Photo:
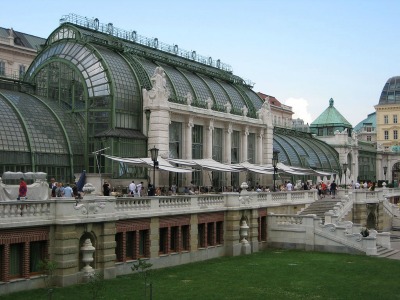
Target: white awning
(204, 164)
(246, 166)
(148, 163)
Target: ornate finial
(331, 102)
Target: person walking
(132, 188)
(23, 189)
(333, 189)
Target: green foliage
(96, 286)
(48, 267)
(143, 268)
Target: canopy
(205, 164)
(147, 162)
(254, 168)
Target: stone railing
(93, 208)
(307, 232)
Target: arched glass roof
(391, 91)
(84, 58)
(184, 75)
(31, 124)
(302, 150)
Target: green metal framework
(302, 150)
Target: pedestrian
(106, 189)
(289, 186)
(139, 188)
(23, 189)
(68, 192)
(333, 189)
(323, 187)
(173, 189)
(132, 188)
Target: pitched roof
(332, 117)
(22, 39)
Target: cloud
(300, 109)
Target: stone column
(260, 137)
(209, 140)
(253, 231)
(232, 237)
(245, 145)
(154, 237)
(156, 102)
(227, 151)
(106, 248)
(207, 176)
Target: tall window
(395, 119)
(395, 134)
(21, 71)
(235, 156)
(174, 239)
(197, 150)
(163, 247)
(175, 140)
(16, 259)
(144, 243)
(369, 138)
(386, 134)
(386, 119)
(37, 252)
(175, 150)
(251, 148)
(2, 68)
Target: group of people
(136, 190)
(59, 190)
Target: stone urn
(87, 250)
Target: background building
(17, 51)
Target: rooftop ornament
(132, 36)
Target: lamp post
(384, 171)
(345, 179)
(274, 164)
(154, 155)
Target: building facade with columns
(107, 90)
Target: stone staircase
(384, 252)
(320, 207)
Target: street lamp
(384, 171)
(345, 170)
(274, 164)
(154, 155)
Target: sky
(303, 52)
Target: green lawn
(272, 274)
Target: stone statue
(159, 90)
(245, 110)
(189, 98)
(228, 107)
(209, 103)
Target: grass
(272, 274)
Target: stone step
(320, 207)
(384, 252)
